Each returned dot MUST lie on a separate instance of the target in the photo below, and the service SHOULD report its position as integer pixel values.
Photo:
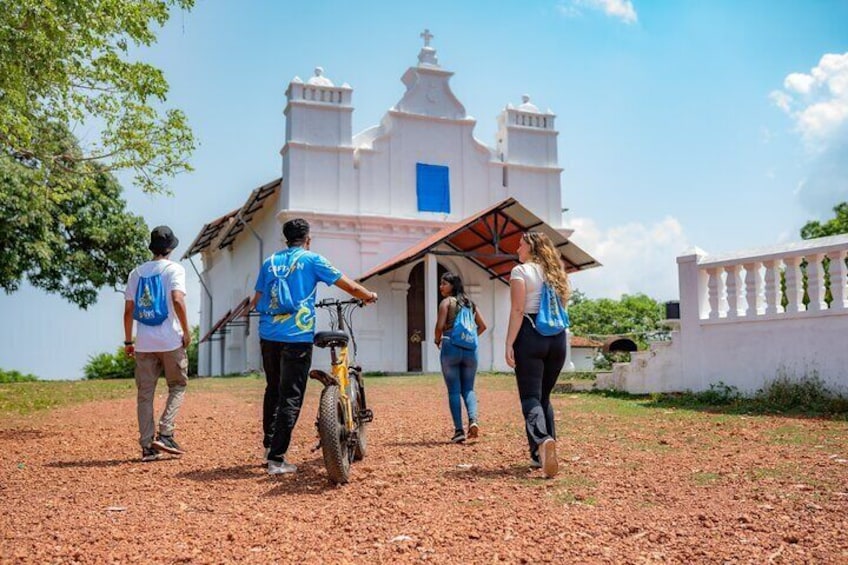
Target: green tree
(835, 226)
(635, 315)
(67, 63)
(69, 234)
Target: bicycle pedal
(366, 416)
(323, 378)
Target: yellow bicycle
(342, 412)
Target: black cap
(162, 240)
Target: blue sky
(720, 124)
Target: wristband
(128, 343)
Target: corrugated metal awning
(208, 233)
(254, 203)
(489, 240)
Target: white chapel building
(393, 206)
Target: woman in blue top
(459, 364)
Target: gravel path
(637, 485)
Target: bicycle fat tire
(331, 428)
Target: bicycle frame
(341, 371)
(340, 367)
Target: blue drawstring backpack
(151, 302)
(464, 331)
(277, 299)
(552, 318)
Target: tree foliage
(835, 226)
(637, 316)
(68, 234)
(67, 63)
(16, 377)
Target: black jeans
(538, 362)
(286, 371)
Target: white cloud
(621, 9)
(636, 258)
(817, 101)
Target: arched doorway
(416, 330)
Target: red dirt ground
(637, 485)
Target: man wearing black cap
(155, 298)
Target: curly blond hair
(543, 252)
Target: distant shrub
(15, 377)
(191, 352)
(109, 366)
(719, 394)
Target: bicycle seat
(330, 339)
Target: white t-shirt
(169, 334)
(533, 277)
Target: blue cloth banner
(433, 188)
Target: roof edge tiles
(488, 239)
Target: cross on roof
(426, 36)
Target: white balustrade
(811, 271)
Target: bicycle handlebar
(333, 302)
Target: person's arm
(478, 319)
(129, 347)
(517, 292)
(440, 321)
(356, 290)
(178, 298)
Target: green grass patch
(26, 398)
(705, 479)
(807, 396)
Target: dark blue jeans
(286, 371)
(459, 367)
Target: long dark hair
(457, 288)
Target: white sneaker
(280, 468)
(548, 457)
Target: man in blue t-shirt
(286, 340)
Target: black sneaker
(168, 445)
(149, 454)
(458, 437)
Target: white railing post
(732, 285)
(838, 279)
(712, 292)
(773, 305)
(753, 289)
(794, 285)
(815, 283)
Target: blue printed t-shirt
(310, 269)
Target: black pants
(538, 362)
(286, 371)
